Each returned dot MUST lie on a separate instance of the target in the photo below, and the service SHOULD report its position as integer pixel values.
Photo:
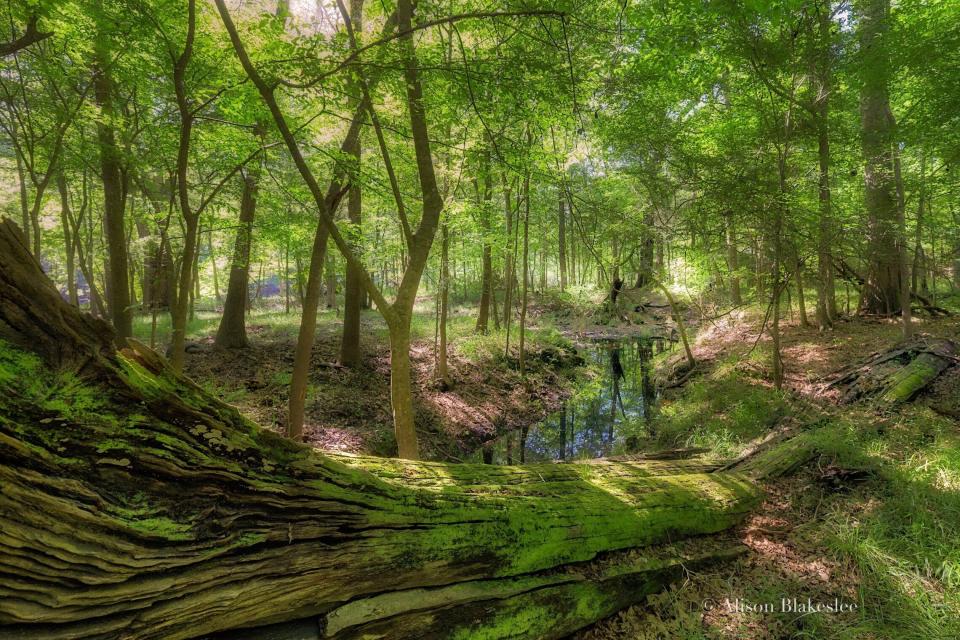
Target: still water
(607, 415)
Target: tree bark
(113, 201)
(526, 266)
(882, 292)
(822, 63)
(232, 332)
(486, 270)
(69, 240)
(562, 238)
(305, 337)
(353, 286)
(733, 260)
(442, 374)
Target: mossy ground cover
(873, 521)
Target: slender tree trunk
(330, 282)
(919, 268)
(779, 211)
(904, 266)
(801, 299)
(305, 337)
(213, 265)
(733, 261)
(442, 374)
(353, 286)
(486, 275)
(68, 238)
(25, 225)
(526, 266)
(562, 238)
(508, 276)
(113, 201)
(232, 332)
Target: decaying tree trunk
(136, 505)
(896, 375)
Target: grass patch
(721, 412)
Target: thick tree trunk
(232, 332)
(882, 293)
(401, 391)
(136, 504)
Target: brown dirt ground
(349, 409)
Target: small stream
(607, 415)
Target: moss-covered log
(136, 505)
(898, 374)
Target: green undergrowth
(721, 411)
(887, 534)
(900, 530)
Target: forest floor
(349, 409)
(874, 520)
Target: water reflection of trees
(608, 415)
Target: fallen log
(136, 505)
(896, 375)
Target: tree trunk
(232, 332)
(206, 523)
(69, 240)
(882, 293)
(305, 337)
(779, 214)
(562, 238)
(903, 271)
(113, 201)
(733, 261)
(401, 392)
(801, 298)
(526, 266)
(645, 272)
(508, 272)
(24, 199)
(213, 266)
(330, 282)
(442, 375)
(353, 286)
(486, 271)
(822, 63)
(191, 218)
